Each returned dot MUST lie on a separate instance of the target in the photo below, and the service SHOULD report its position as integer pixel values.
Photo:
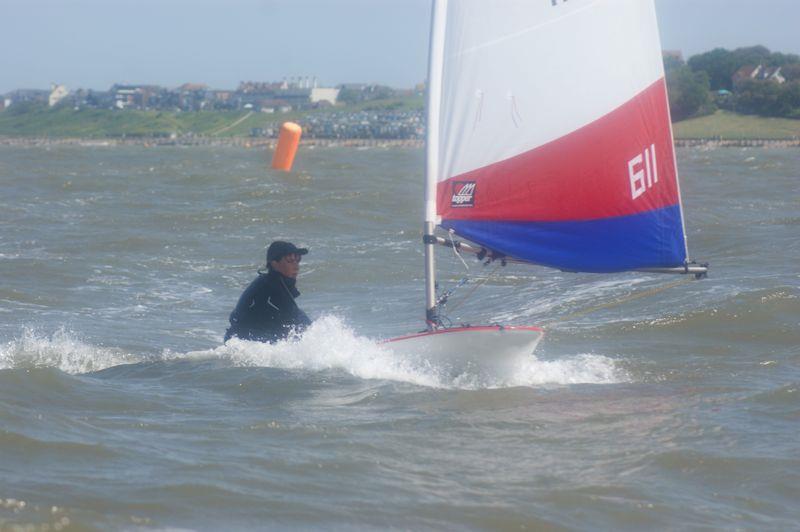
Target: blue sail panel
(653, 239)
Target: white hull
(469, 349)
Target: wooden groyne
(242, 142)
(737, 143)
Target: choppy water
(120, 409)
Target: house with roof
(758, 73)
(192, 96)
(320, 94)
(138, 96)
(281, 97)
(57, 93)
(220, 99)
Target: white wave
(329, 344)
(578, 369)
(62, 350)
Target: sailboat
(550, 143)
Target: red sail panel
(619, 165)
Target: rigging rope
(455, 250)
(478, 285)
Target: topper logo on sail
(463, 194)
(643, 171)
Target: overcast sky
(95, 43)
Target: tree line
(706, 83)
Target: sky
(96, 43)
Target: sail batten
(553, 134)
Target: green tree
(789, 100)
(348, 95)
(752, 55)
(379, 92)
(23, 108)
(719, 64)
(672, 63)
(688, 93)
(783, 60)
(760, 98)
(791, 72)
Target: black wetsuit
(266, 311)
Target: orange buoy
(288, 140)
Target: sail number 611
(643, 172)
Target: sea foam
(62, 350)
(329, 344)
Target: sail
(553, 141)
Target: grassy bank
(103, 123)
(41, 121)
(65, 122)
(732, 126)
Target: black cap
(279, 249)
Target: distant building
(760, 73)
(57, 93)
(297, 98)
(27, 95)
(124, 96)
(260, 87)
(272, 106)
(192, 96)
(138, 96)
(294, 93)
(78, 99)
(193, 87)
(220, 100)
(355, 87)
(221, 96)
(99, 99)
(324, 95)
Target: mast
(435, 67)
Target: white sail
(550, 135)
(521, 73)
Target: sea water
(647, 404)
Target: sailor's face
(289, 265)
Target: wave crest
(61, 350)
(329, 344)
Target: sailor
(267, 311)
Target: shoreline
(249, 142)
(240, 142)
